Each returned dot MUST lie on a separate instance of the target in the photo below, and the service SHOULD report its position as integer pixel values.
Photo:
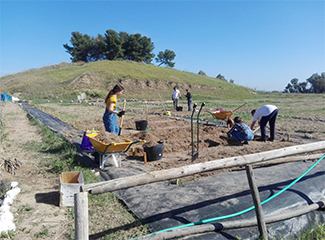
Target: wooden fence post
(81, 216)
(257, 202)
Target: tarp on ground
(163, 205)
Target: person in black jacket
(188, 95)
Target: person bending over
(240, 131)
(267, 113)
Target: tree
(113, 45)
(81, 49)
(138, 49)
(219, 76)
(202, 73)
(317, 83)
(166, 58)
(98, 49)
(288, 89)
(295, 87)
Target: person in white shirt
(175, 96)
(267, 113)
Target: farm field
(175, 130)
(301, 119)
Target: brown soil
(40, 189)
(106, 137)
(176, 136)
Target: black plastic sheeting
(162, 205)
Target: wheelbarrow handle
(238, 107)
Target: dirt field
(173, 131)
(176, 136)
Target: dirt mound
(107, 137)
(86, 81)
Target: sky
(260, 44)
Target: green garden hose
(243, 211)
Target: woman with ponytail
(111, 110)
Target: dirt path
(36, 211)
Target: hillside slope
(141, 81)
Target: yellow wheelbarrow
(102, 151)
(225, 115)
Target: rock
(309, 136)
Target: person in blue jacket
(240, 131)
(111, 110)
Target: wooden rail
(162, 175)
(81, 200)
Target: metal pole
(198, 124)
(194, 106)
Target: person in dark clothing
(188, 95)
(265, 114)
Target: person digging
(239, 132)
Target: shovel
(122, 118)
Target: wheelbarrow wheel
(230, 122)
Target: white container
(70, 183)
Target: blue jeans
(238, 136)
(110, 122)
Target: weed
(43, 233)
(70, 212)
(10, 234)
(24, 208)
(177, 181)
(313, 233)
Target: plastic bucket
(179, 109)
(154, 153)
(141, 124)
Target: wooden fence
(81, 199)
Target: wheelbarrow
(103, 151)
(225, 115)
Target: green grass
(24, 208)
(43, 233)
(64, 81)
(59, 156)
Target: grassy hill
(65, 81)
